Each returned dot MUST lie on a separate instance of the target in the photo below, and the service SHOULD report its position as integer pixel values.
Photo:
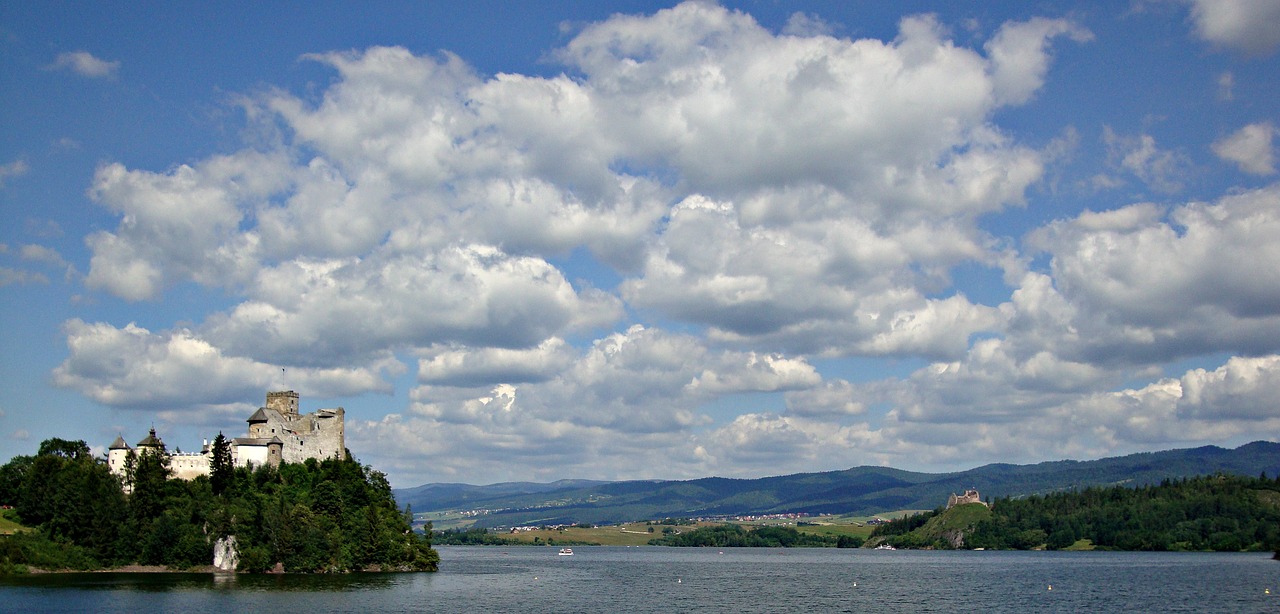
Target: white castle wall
(190, 464)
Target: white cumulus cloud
(1249, 26)
(17, 168)
(1161, 169)
(85, 64)
(134, 368)
(1249, 148)
(1148, 287)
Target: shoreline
(134, 569)
(205, 569)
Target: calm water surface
(656, 579)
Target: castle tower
(116, 455)
(283, 401)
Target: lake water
(658, 579)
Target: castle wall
(242, 455)
(324, 436)
(316, 435)
(189, 466)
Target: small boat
(566, 552)
(885, 547)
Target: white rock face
(226, 556)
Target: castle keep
(277, 432)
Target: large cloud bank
(768, 202)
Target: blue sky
(645, 240)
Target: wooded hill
(857, 491)
(1220, 512)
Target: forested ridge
(1220, 512)
(318, 516)
(859, 491)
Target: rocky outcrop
(954, 538)
(226, 554)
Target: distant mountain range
(857, 491)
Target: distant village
(970, 496)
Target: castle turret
(151, 442)
(258, 423)
(275, 451)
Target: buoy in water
(1050, 587)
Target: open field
(852, 526)
(837, 530)
(639, 534)
(9, 524)
(445, 521)
(1081, 545)
(630, 534)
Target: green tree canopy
(330, 515)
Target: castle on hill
(277, 432)
(969, 496)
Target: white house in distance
(277, 432)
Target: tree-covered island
(327, 515)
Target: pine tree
(146, 502)
(222, 472)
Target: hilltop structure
(969, 496)
(277, 432)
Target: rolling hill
(860, 490)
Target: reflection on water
(171, 582)
(655, 579)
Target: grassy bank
(9, 523)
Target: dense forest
(1220, 513)
(318, 516)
